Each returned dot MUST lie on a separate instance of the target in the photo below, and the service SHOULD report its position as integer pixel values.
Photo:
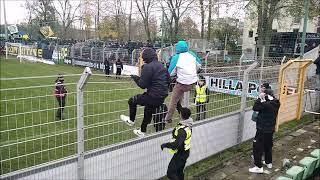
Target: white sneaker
(268, 165)
(138, 132)
(256, 170)
(127, 120)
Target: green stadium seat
(283, 178)
(309, 164)
(295, 172)
(316, 154)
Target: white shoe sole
(264, 163)
(122, 118)
(256, 172)
(139, 135)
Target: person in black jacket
(119, 67)
(267, 106)
(60, 92)
(154, 78)
(106, 66)
(180, 147)
(317, 62)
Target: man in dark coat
(106, 66)
(154, 78)
(267, 106)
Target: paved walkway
(294, 147)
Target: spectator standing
(119, 67)
(106, 66)
(201, 96)
(267, 106)
(60, 92)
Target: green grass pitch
(30, 134)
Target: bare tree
(168, 24)
(144, 7)
(178, 8)
(67, 14)
(41, 10)
(209, 20)
(267, 11)
(202, 18)
(115, 10)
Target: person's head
(185, 113)
(60, 78)
(201, 81)
(182, 47)
(264, 86)
(149, 55)
(268, 92)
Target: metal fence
(92, 142)
(101, 54)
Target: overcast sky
(16, 13)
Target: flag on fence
(46, 31)
(13, 29)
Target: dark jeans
(107, 70)
(150, 105)
(262, 144)
(201, 111)
(177, 164)
(118, 72)
(62, 103)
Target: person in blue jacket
(184, 64)
(154, 78)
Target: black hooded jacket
(268, 112)
(154, 76)
(317, 62)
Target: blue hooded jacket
(184, 64)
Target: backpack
(158, 117)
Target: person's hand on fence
(163, 146)
(135, 77)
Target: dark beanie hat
(269, 92)
(149, 55)
(266, 85)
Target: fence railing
(92, 142)
(31, 135)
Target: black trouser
(262, 144)
(150, 105)
(62, 103)
(118, 72)
(177, 164)
(107, 70)
(201, 111)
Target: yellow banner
(46, 31)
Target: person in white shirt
(184, 64)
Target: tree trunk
(176, 29)
(209, 21)
(202, 18)
(146, 28)
(171, 29)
